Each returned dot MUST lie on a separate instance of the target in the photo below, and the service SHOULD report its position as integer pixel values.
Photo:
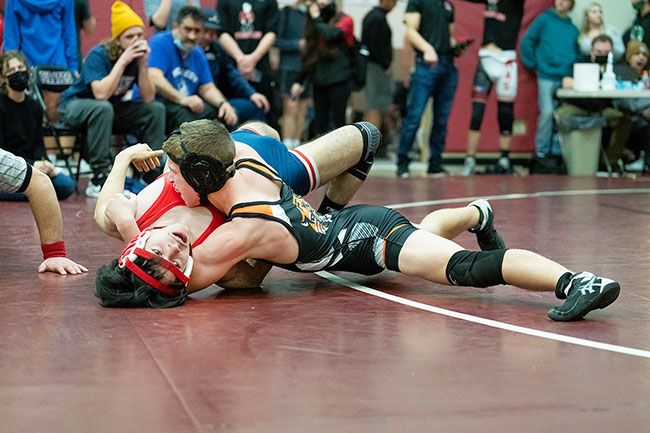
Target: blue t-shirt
(96, 67)
(185, 74)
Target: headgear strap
(204, 173)
(135, 248)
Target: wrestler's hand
(61, 265)
(120, 211)
(142, 156)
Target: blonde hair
(585, 22)
(202, 137)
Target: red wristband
(56, 249)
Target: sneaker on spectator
(403, 169)
(95, 185)
(637, 166)
(502, 166)
(437, 171)
(469, 167)
(487, 237)
(584, 292)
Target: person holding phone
(101, 101)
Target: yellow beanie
(123, 17)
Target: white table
(580, 154)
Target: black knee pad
(371, 140)
(506, 115)
(476, 268)
(478, 108)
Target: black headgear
(204, 173)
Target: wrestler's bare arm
(246, 274)
(144, 159)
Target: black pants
(330, 105)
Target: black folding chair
(56, 79)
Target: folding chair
(56, 79)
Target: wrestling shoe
(584, 292)
(487, 237)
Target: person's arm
(160, 15)
(47, 214)
(105, 88)
(529, 44)
(245, 275)
(210, 93)
(231, 75)
(144, 159)
(263, 46)
(70, 36)
(412, 21)
(230, 45)
(12, 37)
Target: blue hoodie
(550, 46)
(43, 30)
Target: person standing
(43, 30)
(376, 36)
(249, 31)
(100, 99)
(162, 14)
(593, 26)
(428, 30)
(550, 48)
(291, 43)
(497, 66)
(247, 102)
(84, 20)
(640, 29)
(21, 131)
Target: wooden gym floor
(345, 353)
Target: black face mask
(328, 12)
(18, 80)
(601, 60)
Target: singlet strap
(259, 168)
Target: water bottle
(608, 82)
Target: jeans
(440, 83)
(246, 110)
(544, 143)
(102, 119)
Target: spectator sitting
(594, 25)
(21, 131)
(180, 72)
(99, 100)
(617, 120)
(248, 103)
(638, 145)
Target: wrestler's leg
(336, 155)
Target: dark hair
(189, 11)
(119, 287)
(602, 38)
(316, 46)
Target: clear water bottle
(645, 79)
(608, 82)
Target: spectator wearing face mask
(617, 120)
(20, 128)
(181, 74)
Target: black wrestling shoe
(585, 292)
(487, 237)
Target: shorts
(496, 67)
(287, 78)
(379, 88)
(295, 168)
